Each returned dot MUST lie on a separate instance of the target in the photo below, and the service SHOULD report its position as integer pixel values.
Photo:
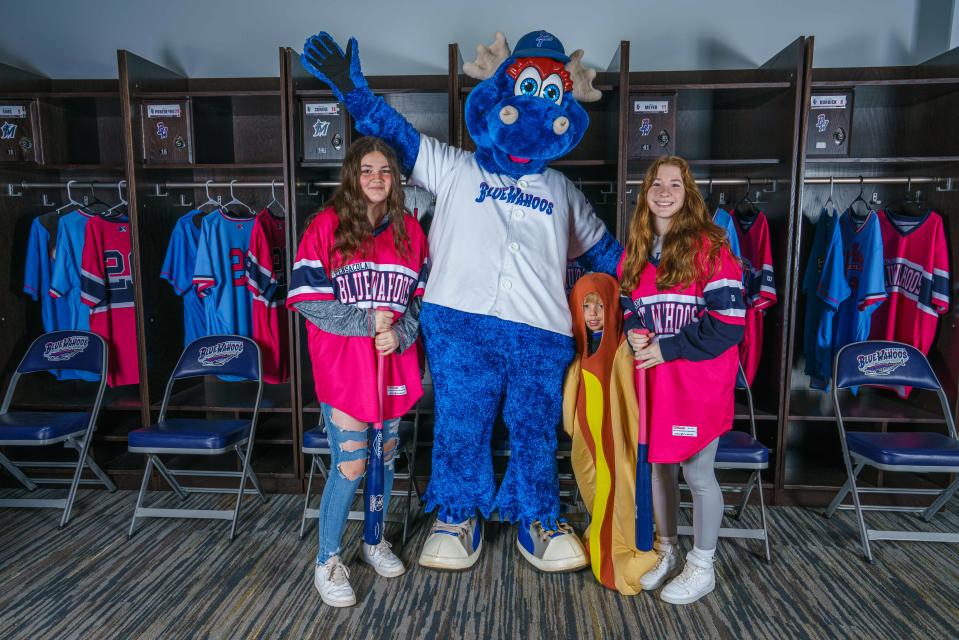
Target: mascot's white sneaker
(453, 545)
(666, 563)
(697, 579)
(551, 550)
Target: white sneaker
(332, 580)
(692, 584)
(665, 568)
(453, 545)
(383, 560)
(551, 550)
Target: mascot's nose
(560, 125)
(509, 115)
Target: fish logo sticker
(321, 128)
(220, 353)
(65, 349)
(882, 362)
(8, 131)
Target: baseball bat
(644, 490)
(373, 489)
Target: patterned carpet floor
(184, 579)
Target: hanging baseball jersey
(266, 280)
(220, 273)
(502, 243)
(106, 280)
(724, 220)
(916, 279)
(686, 413)
(378, 277)
(65, 277)
(178, 267)
(37, 269)
(759, 283)
(863, 268)
(825, 286)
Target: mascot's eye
(553, 89)
(527, 84)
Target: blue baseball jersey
(37, 271)
(220, 272)
(825, 286)
(865, 275)
(178, 268)
(65, 277)
(724, 220)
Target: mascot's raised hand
(324, 58)
(495, 317)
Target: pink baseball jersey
(106, 285)
(691, 401)
(377, 277)
(760, 285)
(916, 263)
(266, 280)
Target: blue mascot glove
(323, 58)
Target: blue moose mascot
(495, 318)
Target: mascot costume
(495, 318)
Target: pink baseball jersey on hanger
(759, 283)
(266, 280)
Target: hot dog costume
(495, 319)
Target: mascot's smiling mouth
(517, 159)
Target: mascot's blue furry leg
(537, 361)
(469, 376)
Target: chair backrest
(883, 362)
(234, 356)
(77, 350)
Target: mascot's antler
(583, 76)
(488, 59)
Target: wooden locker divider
(741, 128)
(903, 127)
(238, 134)
(75, 138)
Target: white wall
(79, 38)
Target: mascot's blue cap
(540, 44)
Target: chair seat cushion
(739, 447)
(912, 449)
(41, 425)
(187, 433)
(316, 438)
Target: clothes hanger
(210, 201)
(70, 201)
(829, 200)
(859, 198)
(745, 209)
(235, 201)
(274, 200)
(115, 211)
(912, 204)
(95, 205)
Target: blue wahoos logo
(65, 349)
(162, 130)
(8, 130)
(220, 353)
(882, 362)
(821, 123)
(376, 503)
(543, 38)
(645, 127)
(321, 128)
(515, 195)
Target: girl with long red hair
(684, 315)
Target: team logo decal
(162, 131)
(645, 127)
(179, 142)
(321, 128)
(663, 138)
(220, 353)
(65, 349)
(8, 131)
(882, 362)
(514, 195)
(376, 503)
(542, 39)
(821, 123)
(26, 144)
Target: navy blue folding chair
(891, 364)
(741, 451)
(317, 445)
(233, 356)
(76, 350)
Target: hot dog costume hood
(495, 318)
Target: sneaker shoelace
(690, 574)
(381, 549)
(336, 572)
(457, 528)
(662, 559)
(545, 534)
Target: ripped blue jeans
(347, 446)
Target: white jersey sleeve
(435, 162)
(585, 227)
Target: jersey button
(522, 184)
(514, 246)
(506, 284)
(519, 214)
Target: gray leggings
(707, 498)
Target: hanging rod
(728, 182)
(73, 185)
(277, 184)
(876, 180)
